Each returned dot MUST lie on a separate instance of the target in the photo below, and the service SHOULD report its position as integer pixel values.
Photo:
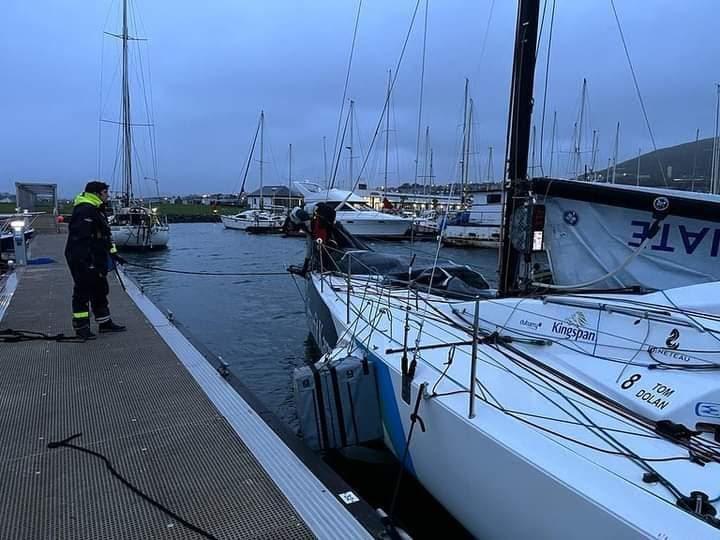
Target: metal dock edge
(322, 510)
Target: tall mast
(578, 162)
(615, 152)
(517, 187)
(593, 155)
(126, 125)
(693, 176)
(637, 177)
(352, 110)
(552, 143)
(425, 161)
(490, 164)
(715, 173)
(532, 151)
(262, 157)
(387, 128)
(432, 175)
(289, 176)
(327, 181)
(465, 146)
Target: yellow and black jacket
(89, 243)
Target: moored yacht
(254, 220)
(139, 227)
(355, 214)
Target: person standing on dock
(90, 253)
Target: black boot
(84, 333)
(110, 326)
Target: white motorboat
(138, 227)
(254, 221)
(355, 214)
(479, 226)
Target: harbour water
(257, 325)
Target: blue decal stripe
(390, 411)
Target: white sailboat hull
(140, 236)
(499, 477)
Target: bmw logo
(571, 217)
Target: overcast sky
(214, 65)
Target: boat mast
(325, 161)
(289, 177)
(637, 177)
(490, 164)
(552, 143)
(715, 173)
(593, 155)
(262, 156)
(432, 174)
(465, 147)
(517, 188)
(693, 176)
(352, 110)
(425, 162)
(125, 120)
(578, 148)
(387, 128)
(615, 152)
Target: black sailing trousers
(90, 291)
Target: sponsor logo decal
(533, 325)
(574, 328)
(707, 409)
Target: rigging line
(422, 91)
(338, 150)
(337, 162)
(598, 432)
(385, 105)
(192, 273)
(639, 94)
(249, 159)
(545, 89)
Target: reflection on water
(257, 324)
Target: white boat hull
(499, 477)
(140, 237)
(231, 222)
(483, 236)
(384, 227)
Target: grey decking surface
(133, 402)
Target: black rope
(189, 272)
(414, 419)
(8, 335)
(108, 464)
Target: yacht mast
(490, 164)
(325, 161)
(615, 152)
(352, 110)
(578, 148)
(387, 128)
(289, 206)
(552, 143)
(465, 147)
(262, 156)
(715, 173)
(517, 187)
(125, 112)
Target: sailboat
(576, 413)
(133, 224)
(256, 220)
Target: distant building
(274, 196)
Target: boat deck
(169, 424)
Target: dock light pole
(18, 227)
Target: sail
(592, 230)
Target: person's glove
(118, 259)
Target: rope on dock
(192, 273)
(108, 464)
